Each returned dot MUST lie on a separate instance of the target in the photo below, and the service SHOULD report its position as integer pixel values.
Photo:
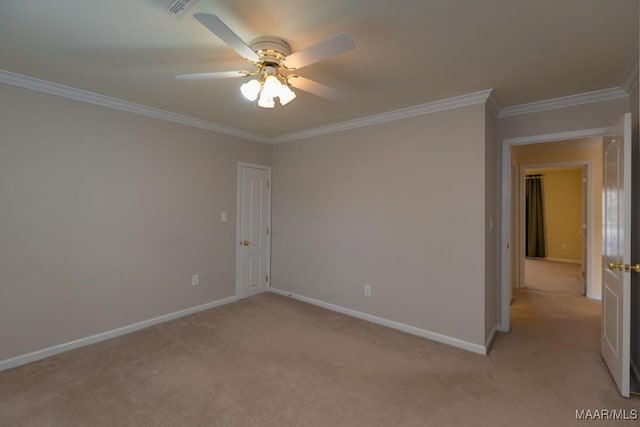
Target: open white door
(616, 252)
(254, 217)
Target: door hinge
(268, 184)
(267, 231)
(266, 278)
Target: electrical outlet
(195, 280)
(565, 246)
(367, 290)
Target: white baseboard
(51, 351)
(490, 338)
(570, 261)
(455, 342)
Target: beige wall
(399, 206)
(99, 204)
(586, 116)
(562, 202)
(104, 217)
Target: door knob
(626, 267)
(635, 268)
(614, 266)
(245, 243)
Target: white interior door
(254, 235)
(616, 252)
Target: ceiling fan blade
(315, 88)
(335, 45)
(224, 33)
(213, 75)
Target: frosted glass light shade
(271, 87)
(251, 89)
(265, 101)
(286, 95)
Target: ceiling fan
(274, 64)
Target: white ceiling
(408, 52)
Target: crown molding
(631, 76)
(486, 96)
(565, 101)
(494, 103)
(404, 113)
(38, 85)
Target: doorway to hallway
(570, 173)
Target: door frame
(505, 259)
(239, 222)
(576, 164)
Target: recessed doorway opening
(574, 149)
(556, 228)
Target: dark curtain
(534, 218)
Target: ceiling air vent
(176, 8)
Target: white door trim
(238, 221)
(505, 267)
(589, 196)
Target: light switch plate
(367, 290)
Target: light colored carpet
(272, 361)
(556, 277)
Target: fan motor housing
(271, 50)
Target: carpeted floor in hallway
(552, 276)
(273, 361)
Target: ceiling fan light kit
(269, 84)
(272, 57)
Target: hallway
(556, 277)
